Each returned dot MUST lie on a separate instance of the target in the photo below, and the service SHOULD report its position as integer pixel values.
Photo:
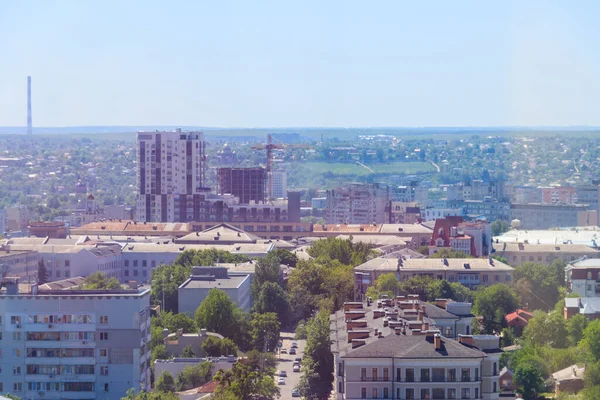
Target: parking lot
(286, 363)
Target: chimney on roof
(420, 317)
(437, 339)
(465, 339)
(425, 326)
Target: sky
(300, 63)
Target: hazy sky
(300, 63)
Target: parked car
(292, 351)
(298, 360)
(294, 345)
(282, 373)
(295, 392)
(281, 381)
(296, 368)
(283, 351)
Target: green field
(410, 167)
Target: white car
(296, 368)
(281, 381)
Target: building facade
(546, 216)
(279, 184)
(75, 345)
(170, 175)
(358, 204)
(248, 184)
(19, 263)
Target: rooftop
(543, 248)
(582, 235)
(414, 346)
(220, 233)
(231, 282)
(585, 263)
(414, 264)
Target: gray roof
(231, 282)
(436, 312)
(220, 233)
(434, 264)
(413, 347)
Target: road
(437, 167)
(286, 363)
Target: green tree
(194, 376)
(267, 270)
(166, 280)
(215, 347)
(165, 382)
(174, 322)
(159, 352)
(42, 272)
(272, 298)
(216, 313)
(208, 257)
(188, 352)
(317, 370)
(591, 340)
(265, 331)
(132, 395)
(246, 381)
(493, 303)
(447, 253)
(343, 250)
(538, 285)
(508, 337)
(575, 327)
(546, 329)
(498, 227)
(387, 284)
(284, 257)
(529, 379)
(98, 281)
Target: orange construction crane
(270, 146)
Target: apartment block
(473, 238)
(520, 253)
(248, 184)
(358, 204)
(279, 184)
(75, 344)
(546, 216)
(404, 213)
(170, 175)
(583, 277)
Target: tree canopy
(343, 250)
(98, 281)
(493, 303)
(317, 363)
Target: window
(485, 278)
(424, 374)
(67, 263)
(103, 353)
(495, 387)
(437, 374)
(465, 375)
(104, 319)
(15, 320)
(497, 278)
(135, 263)
(106, 387)
(127, 263)
(495, 369)
(17, 386)
(104, 370)
(153, 263)
(135, 272)
(589, 275)
(16, 370)
(477, 391)
(363, 393)
(374, 393)
(363, 374)
(17, 336)
(410, 375)
(58, 274)
(340, 387)
(448, 332)
(438, 394)
(126, 272)
(465, 393)
(451, 375)
(386, 374)
(374, 374)
(103, 335)
(410, 394)
(476, 374)
(398, 375)
(386, 393)
(451, 394)
(144, 263)
(17, 352)
(425, 394)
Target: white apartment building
(75, 344)
(279, 184)
(420, 366)
(170, 175)
(358, 204)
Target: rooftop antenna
(29, 124)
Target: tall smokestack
(29, 125)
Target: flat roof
(231, 282)
(580, 235)
(543, 248)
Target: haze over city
(311, 63)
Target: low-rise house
(506, 380)
(518, 320)
(583, 277)
(568, 380)
(520, 253)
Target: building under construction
(249, 184)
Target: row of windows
(60, 352)
(409, 393)
(56, 319)
(60, 369)
(56, 336)
(426, 375)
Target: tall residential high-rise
(249, 184)
(358, 204)
(74, 344)
(170, 175)
(279, 184)
(29, 119)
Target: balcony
(60, 360)
(374, 379)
